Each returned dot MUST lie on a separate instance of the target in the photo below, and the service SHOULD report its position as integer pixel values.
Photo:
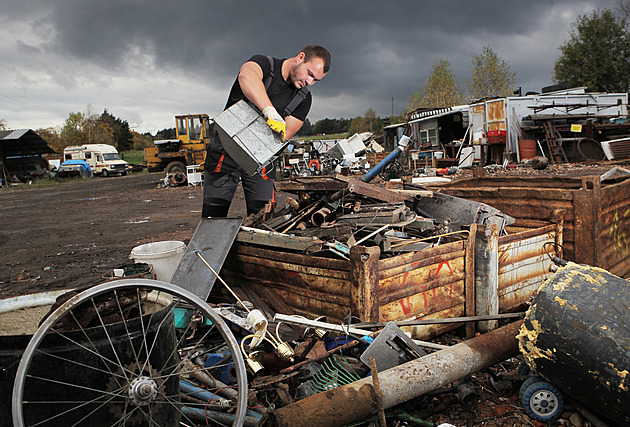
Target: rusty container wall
(438, 282)
(596, 215)
(293, 283)
(614, 229)
(524, 264)
(428, 284)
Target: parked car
(71, 168)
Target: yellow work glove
(275, 121)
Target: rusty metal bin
(440, 282)
(596, 214)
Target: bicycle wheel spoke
(109, 340)
(75, 408)
(127, 333)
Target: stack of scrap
(329, 215)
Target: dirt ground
(77, 232)
(74, 234)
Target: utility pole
(392, 106)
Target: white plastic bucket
(163, 256)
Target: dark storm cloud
(380, 49)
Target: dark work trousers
(219, 189)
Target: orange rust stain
(405, 305)
(405, 278)
(424, 294)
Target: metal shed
(21, 153)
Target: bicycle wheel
(124, 353)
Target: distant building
(21, 154)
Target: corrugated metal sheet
(524, 264)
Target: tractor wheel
(175, 166)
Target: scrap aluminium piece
(577, 336)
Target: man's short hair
(316, 51)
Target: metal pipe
(252, 419)
(369, 176)
(354, 402)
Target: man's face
(306, 73)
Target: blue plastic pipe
(369, 176)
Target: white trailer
(103, 159)
(506, 115)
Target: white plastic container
(163, 256)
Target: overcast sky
(147, 60)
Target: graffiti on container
(618, 233)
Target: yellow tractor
(173, 155)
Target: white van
(103, 159)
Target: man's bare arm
(293, 125)
(250, 79)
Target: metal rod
(372, 234)
(418, 322)
(343, 329)
(198, 253)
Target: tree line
(89, 128)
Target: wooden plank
(450, 250)
(306, 260)
(420, 276)
(399, 294)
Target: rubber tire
(542, 393)
(529, 381)
(175, 166)
(105, 173)
(124, 173)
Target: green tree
(441, 88)
(372, 120)
(306, 129)
(597, 54)
(330, 126)
(358, 125)
(490, 76)
(52, 137)
(141, 141)
(122, 137)
(168, 133)
(73, 131)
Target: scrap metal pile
(329, 215)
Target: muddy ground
(75, 233)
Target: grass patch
(134, 157)
(327, 137)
